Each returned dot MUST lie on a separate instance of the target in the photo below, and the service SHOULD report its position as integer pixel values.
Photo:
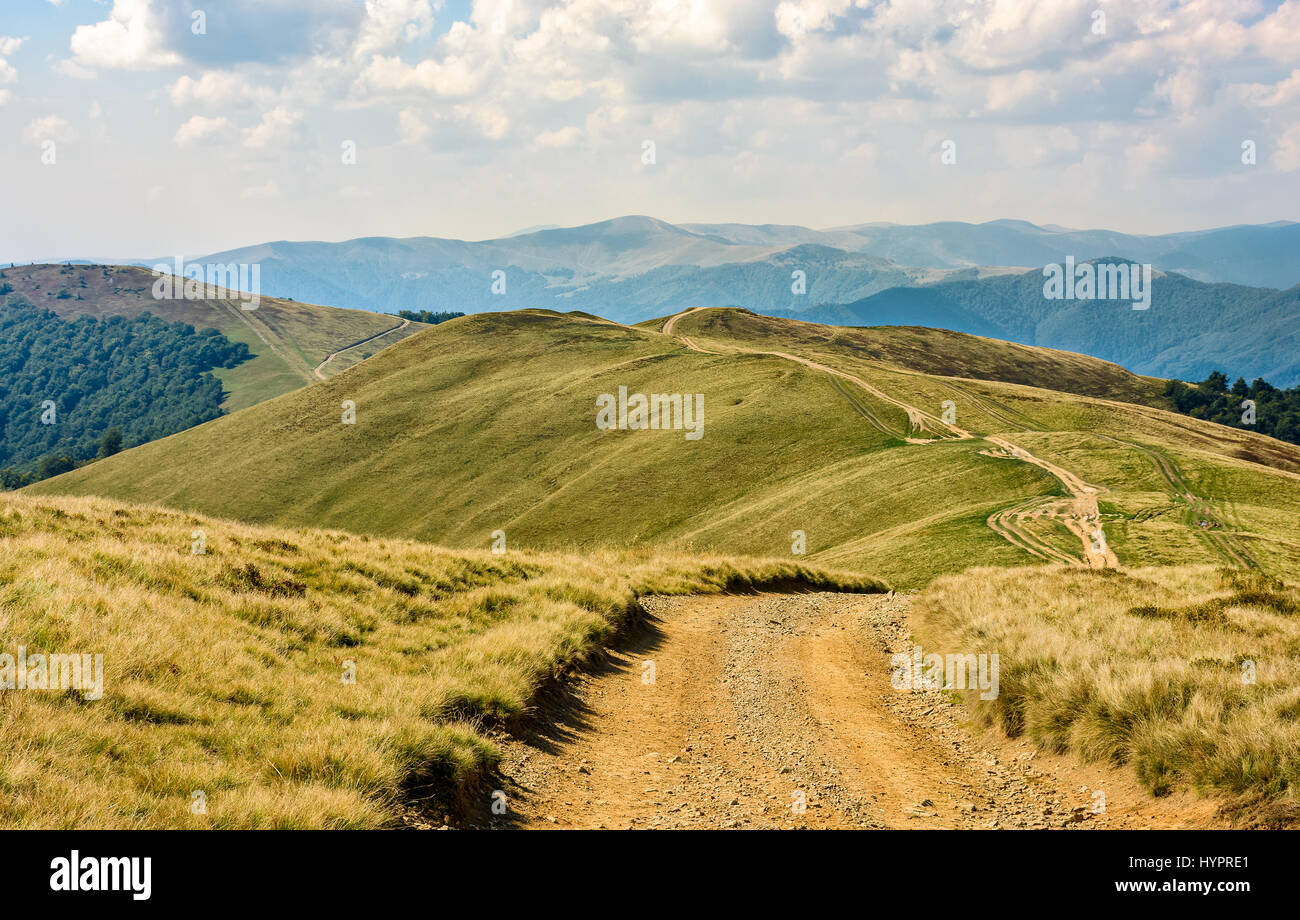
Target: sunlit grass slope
(487, 423)
(1190, 675)
(224, 672)
(939, 352)
(1177, 490)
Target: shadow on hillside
(559, 719)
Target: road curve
(1079, 514)
(319, 367)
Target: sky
(143, 128)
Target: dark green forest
(1276, 412)
(426, 316)
(71, 391)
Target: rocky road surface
(777, 711)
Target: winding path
(319, 367)
(1079, 513)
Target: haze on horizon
(473, 120)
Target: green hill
(488, 423)
(288, 340)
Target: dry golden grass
(1150, 667)
(224, 672)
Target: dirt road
(319, 369)
(777, 711)
(1079, 514)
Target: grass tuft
(1188, 674)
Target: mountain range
(632, 268)
(1214, 286)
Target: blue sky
(130, 133)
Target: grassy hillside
(1174, 490)
(931, 351)
(288, 339)
(1087, 667)
(487, 423)
(224, 672)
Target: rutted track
(1200, 513)
(1079, 514)
(778, 711)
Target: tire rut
(772, 711)
(1079, 514)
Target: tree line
(72, 391)
(1257, 406)
(426, 316)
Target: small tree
(111, 442)
(53, 465)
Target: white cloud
(1287, 155)
(800, 110)
(8, 74)
(411, 127)
(69, 67)
(491, 122)
(218, 88)
(48, 128)
(198, 129)
(276, 127)
(389, 23)
(564, 137)
(453, 77)
(130, 39)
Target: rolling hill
(289, 340)
(951, 275)
(1045, 502)
(881, 446)
(1190, 329)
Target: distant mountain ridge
(1190, 329)
(630, 268)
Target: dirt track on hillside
(1079, 514)
(761, 703)
(318, 370)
